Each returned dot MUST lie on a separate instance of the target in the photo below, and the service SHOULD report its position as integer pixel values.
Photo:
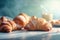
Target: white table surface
(29, 35)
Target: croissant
(38, 24)
(55, 22)
(7, 25)
(22, 19)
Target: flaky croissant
(55, 22)
(22, 19)
(7, 25)
(38, 24)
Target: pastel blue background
(12, 8)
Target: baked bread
(55, 22)
(38, 24)
(7, 25)
(22, 19)
(26, 22)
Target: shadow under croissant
(39, 30)
(8, 31)
(5, 31)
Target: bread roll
(38, 24)
(22, 19)
(55, 22)
(7, 25)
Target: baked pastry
(14, 26)
(22, 19)
(38, 24)
(55, 22)
(7, 25)
(32, 24)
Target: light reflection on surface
(31, 35)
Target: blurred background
(12, 8)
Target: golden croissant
(7, 25)
(22, 19)
(38, 24)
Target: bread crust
(22, 19)
(38, 24)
